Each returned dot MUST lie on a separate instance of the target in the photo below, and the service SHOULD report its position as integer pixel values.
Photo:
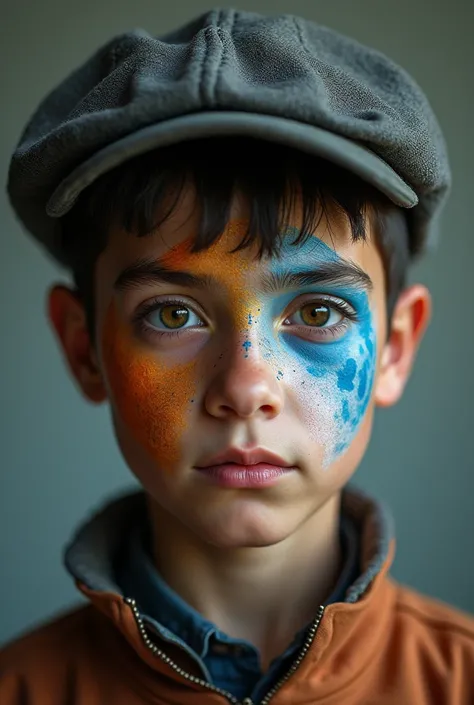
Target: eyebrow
(148, 272)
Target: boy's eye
(172, 316)
(317, 315)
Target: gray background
(59, 458)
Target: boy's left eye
(318, 315)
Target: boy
(238, 203)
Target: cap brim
(313, 140)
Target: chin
(245, 527)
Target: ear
(68, 319)
(409, 322)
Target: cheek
(332, 384)
(153, 400)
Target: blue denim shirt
(230, 664)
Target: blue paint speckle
(341, 447)
(345, 411)
(356, 420)
(315, 371)
(363, 380)
(345, 377)
(247, 345)
(366, 333)
(250, 319)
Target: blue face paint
(334, 376)
(345, 377)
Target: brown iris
(315, 314)
(173, 315)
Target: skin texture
(248, 369)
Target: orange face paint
(152, 397)
(230, 270)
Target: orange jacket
(386, 645)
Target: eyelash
(154, 305)
(345, 309)
(338, 304)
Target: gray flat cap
(279, 78)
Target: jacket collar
(333, 658)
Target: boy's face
(234, 357)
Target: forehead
(171, 242)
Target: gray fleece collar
(91, 554)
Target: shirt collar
(139, 578)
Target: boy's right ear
(67, 317)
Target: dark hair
(268, 175)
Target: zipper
(194, 679)
(296, 664)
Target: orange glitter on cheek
(152, 399)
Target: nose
(245, 384)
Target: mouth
(236, 468)
(255, 476)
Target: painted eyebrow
(147, 272)
(341, 273)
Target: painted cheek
(354, 385)
(333, 384)
(155, 399)
(152, 399)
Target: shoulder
(48, 635)
(438, 633)
(434, 615)
(37, 660)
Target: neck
(263, 595)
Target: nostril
(226, 409)
(267, 408)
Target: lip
(255, 476)
(245, 457)
(236, 468)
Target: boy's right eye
(171, 316)
(167, 317)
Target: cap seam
(227, 20)
(209, 74)
(201, 73)
(299, 32)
